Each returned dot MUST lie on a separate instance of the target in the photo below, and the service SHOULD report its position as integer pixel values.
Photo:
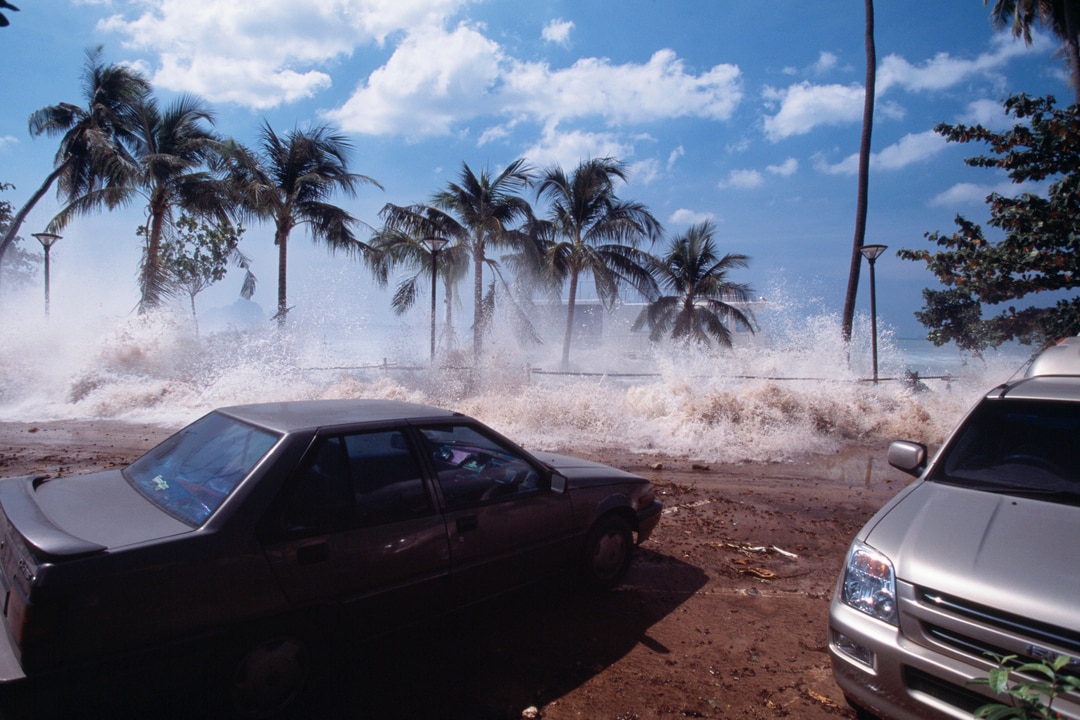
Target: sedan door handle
(467, 523)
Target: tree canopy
(1039, 247)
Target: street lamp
(871, 253)
(47, 240)
(434, 245)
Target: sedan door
(357, 523)
(507, 527)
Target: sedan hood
(581, 473)
(83, 514)
(987, 547)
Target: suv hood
(1008, 552)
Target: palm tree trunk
(151, 269)
(282, 240)
(1072, 44)
(479, 313)
(571, 300)
(20, 216)
(864, 173)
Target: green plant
(1032, 697)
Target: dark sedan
(268, 528)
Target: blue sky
(748, 113)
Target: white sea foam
(795, 389)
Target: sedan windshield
(1024, 447)
(190, 474)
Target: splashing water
(795, 389)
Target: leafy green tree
(92, 157)
(196, 255)
(595, 233)
(702, 301)
(291, 180)
(1039, 250)
(1061, 17)
(15, 262)
(477, 213)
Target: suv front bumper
(881, 669)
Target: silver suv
(978, 558)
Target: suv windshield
(190, 474)
(1021, 446)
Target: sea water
(793, 388)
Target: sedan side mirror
(558, 483)
(908, 456)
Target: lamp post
(871, 253)
(434, 245)
(47, 240)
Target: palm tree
(478, 213)
(291, 180)
(5, 5)
(596, 233)
(174, 150)
(855, 263)
(392, 249)
(700, 307)
(92, 154)
(1061, 17)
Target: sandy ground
(723, 614)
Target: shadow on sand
(487, 662)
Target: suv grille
(1020, 627)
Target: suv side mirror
(908, 456)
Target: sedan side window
(386, 478)
(473, 468)
(322, 498)
(359, 479)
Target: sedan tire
(607, 552)
(267, 675)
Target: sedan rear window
(1018, 446)
(190, 474)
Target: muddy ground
(723, 614)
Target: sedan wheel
(607, 552)
(268, 677)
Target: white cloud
(567, 149)
(682, 216)
(785, 169)
(644, 172)
(674, 156)
(743, 180)
(912, 148)
(988, 113)
(826, 61)
(436, 79)
(974, 194)
(7, 141)
(630, 93)
(805, 106)
(433, 80)
(962, 194)
(944, 71)
(557, 32)
(260, 53)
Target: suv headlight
(869, 583)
